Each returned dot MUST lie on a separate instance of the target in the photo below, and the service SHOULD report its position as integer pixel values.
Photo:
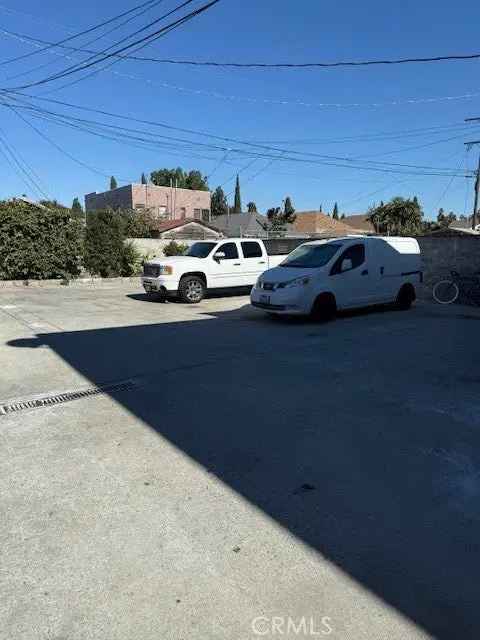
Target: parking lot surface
(254, 477)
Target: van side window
(355, 253)
(251, 250)
(230, 250)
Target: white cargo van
(322, 276)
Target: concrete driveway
(259, 479)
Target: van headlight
(298, 282)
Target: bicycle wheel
(445, 292)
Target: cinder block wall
(154, 247)
(442, 255)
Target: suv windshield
(200, 249)
(311, 255)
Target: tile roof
(359, 222)
(315, 222)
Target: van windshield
(309, 256)
(201, 249)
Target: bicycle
(448, 291)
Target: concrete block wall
(442, 255)
(154, 247)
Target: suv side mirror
(220, 255)
(346, 265)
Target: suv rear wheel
(191, 289)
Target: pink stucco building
(163, 202)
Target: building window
(197, 214)
(183, 213)
(205, 215)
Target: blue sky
(235, 103)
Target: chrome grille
(151, 270)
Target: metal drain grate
(60, 398)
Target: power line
(229, 97)
(141, 43)
(266, 151)
(305, 65)
(148, 6)
(78, 34)
(28, 179)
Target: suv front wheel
(191, 289)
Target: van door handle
(262, 262)
(365, 272)
(236, 264)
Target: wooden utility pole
(477, 187)
(477, 180)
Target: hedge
(38, 243)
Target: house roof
(359, 222)
(242, 224)
(167, 225)
(315, 222)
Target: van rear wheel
(405, 298)
(324, 308)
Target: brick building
(163, 202)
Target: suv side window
(251, 250)
(356, 253)
(230, 250)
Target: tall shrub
(106, 252)
(38, 243)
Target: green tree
(342, 217)
(51, 204)
(219, 204)
(113, 183)
(143, 179)
(106, 252)
(278, 220)
(335, 212)
(136, 224)
(76, 206)
(237, 203)
(195, 181)
(288, 208)
(320, 208)
(178, 177)
(252, 207)
(399, 217)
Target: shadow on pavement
(348, 437)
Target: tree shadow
(345, 438)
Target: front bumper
(282, 301)
(161, 284)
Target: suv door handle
(364, 272)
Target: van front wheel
(324, 308)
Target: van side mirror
(220, 255)
(346, 265)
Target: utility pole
(477, 180)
